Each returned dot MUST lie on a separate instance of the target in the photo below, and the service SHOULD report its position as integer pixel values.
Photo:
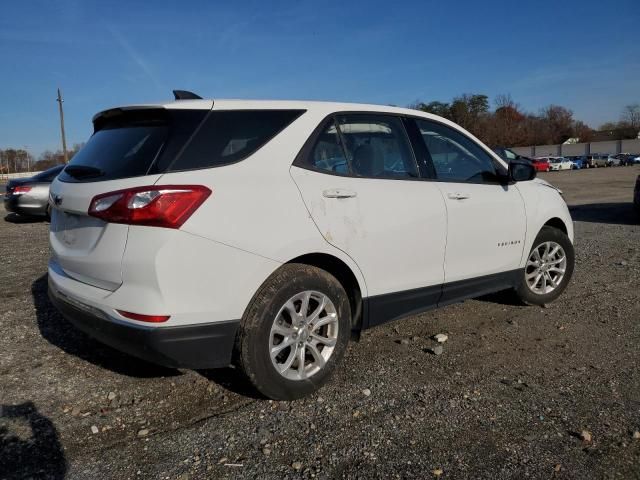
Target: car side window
(509, 155)
(377, 146)
(456, 158)
(328, 153)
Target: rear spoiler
(99, 119)
(112, 112)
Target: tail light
(167, 206)
(20, 189)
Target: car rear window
(230, 136)
(155, 141)
(131, 143)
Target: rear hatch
(130, 147)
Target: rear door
(129, 148)
(486, 218)
(360, 183)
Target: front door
(486, 217)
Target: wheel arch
(347, 278)
(558, 223)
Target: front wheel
(294, 332)
(548, 269)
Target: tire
(267, 315)
(47, 213)
(538, 295)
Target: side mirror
(521, 171)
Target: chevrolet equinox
(265, 234)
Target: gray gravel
(517, 392)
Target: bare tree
(582, 131)
(631, 115)
(558, 122)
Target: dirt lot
(508, 398)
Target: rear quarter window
(227, 137)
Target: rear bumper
(207, 345)
(16, 204)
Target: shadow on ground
(15, 218)
(232, 379)
(611, 213)
(57, 331)
(504, 297)
(29, 444)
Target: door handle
(458, 196)
(338, 193)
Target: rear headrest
(368, 161)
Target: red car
(541, 164)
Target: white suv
(198, 234)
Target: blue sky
(581, 54)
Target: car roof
(321, 108)
(244, 104)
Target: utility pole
(64, 140)
(26, 152)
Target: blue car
(578, 163)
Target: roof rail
(185, 95)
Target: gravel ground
(518, 391)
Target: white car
(560, 163)
(197, 233)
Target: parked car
(30, 196)
(614, 161)
(597, 160)
(194, 232)
(541, 164)
(559, 163)
(626, 159)
(577, 162)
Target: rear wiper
(83, 171)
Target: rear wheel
(294, 332)
(548, 269)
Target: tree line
(14, 160)
(507, 124)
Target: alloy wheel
(303, 335)
(545, 268)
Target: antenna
(185, 95)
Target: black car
(30, 196)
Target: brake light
(167, 206)
(144, 318)
(19, 190)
